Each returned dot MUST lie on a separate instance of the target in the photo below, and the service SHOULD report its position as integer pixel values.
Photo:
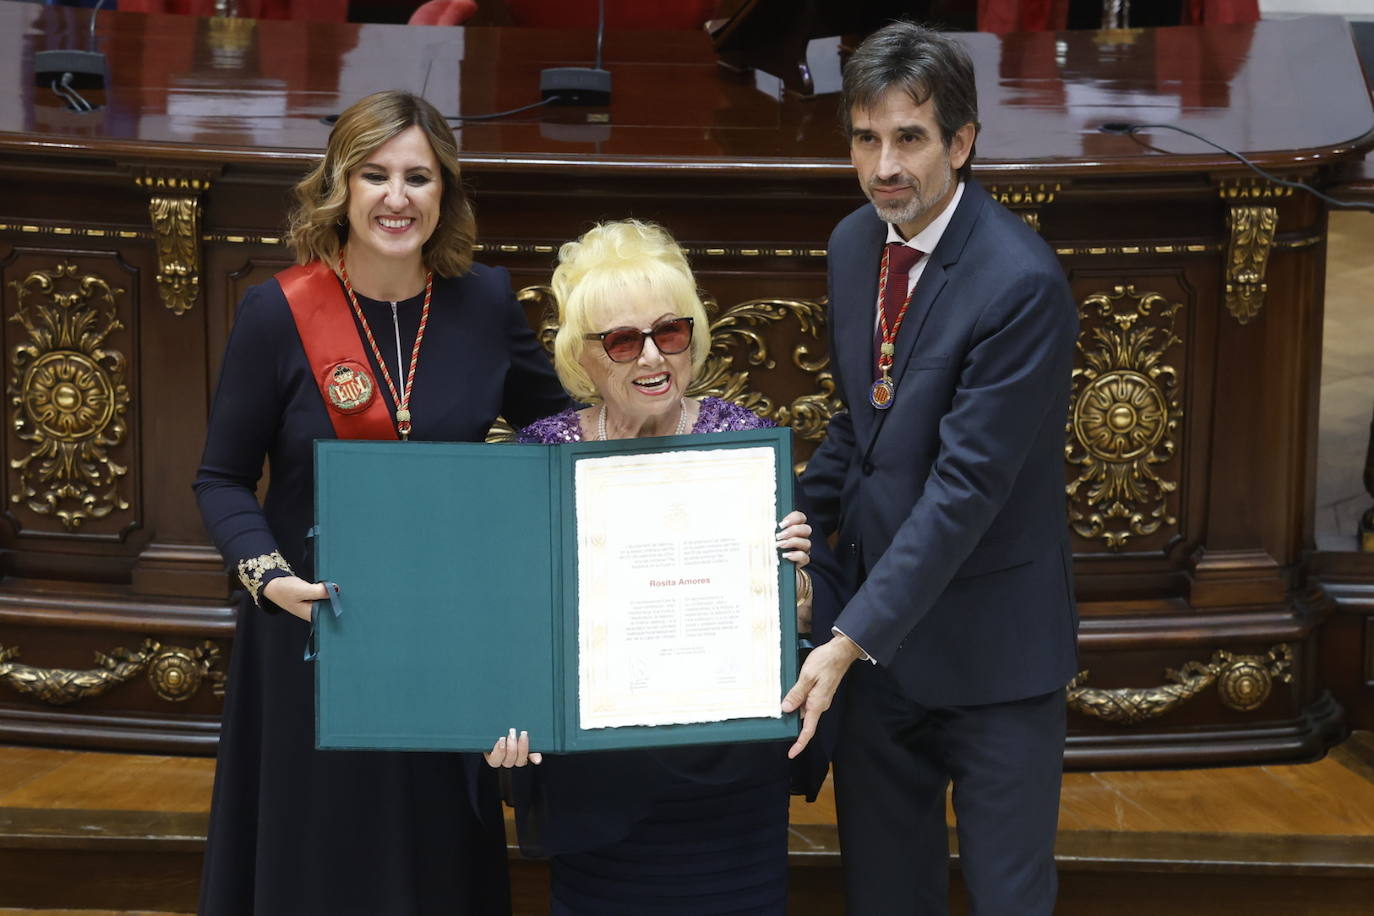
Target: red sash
(335, 352)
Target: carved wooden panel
(99, 686)
(69, 335)
(1125, 435)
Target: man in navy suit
(952, 338)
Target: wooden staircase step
(125, 833)
(79, 828)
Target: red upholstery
(1003, 16)
(1221, 12)
(443, 12)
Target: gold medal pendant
(882, 393)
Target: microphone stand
(580, 85)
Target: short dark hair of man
(924, 63)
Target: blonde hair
(319, 221)
(608, 263)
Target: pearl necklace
(601, 421)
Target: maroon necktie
(900, 260)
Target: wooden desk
(1189, 449)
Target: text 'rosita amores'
(666, 583)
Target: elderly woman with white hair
(698, 830)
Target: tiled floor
(1347, 395)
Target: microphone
(580, 85)
(66, 70)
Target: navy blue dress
(694, 831)
(295, 831)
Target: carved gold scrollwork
(63, 686)
(176, 221)
(174, 673)
(501, 431)
(1247, 258)
(1025, 199)
(174, 208)
(693, 251)
(1243, 682)
(542, 298)
(1252, 221)
(740, 326)
(68, 395)
(1124, 412)
(1252, 189)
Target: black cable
(501, 114)
(1127, 127)
(331, 119)
(600, 29)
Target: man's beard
(914, 209)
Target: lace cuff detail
(252, 571)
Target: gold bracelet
(253, 569)
(804, 593)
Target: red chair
(443, 12)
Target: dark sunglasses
(671, 336)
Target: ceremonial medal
(348, 386)
(880, 395)
(884, 389)
(402, 398)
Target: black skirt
(701, 850)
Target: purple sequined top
(716, 416)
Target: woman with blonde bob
(692, 831)
(385, 329)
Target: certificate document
(602, 595)
(677, 587)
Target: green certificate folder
(457, 565)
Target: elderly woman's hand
(294, 595)
(511, 751)
(794, 538)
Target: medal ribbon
(327, 334)
(887, 346)
(402, 401)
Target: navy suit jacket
(950, 505)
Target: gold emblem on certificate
(349, 386)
